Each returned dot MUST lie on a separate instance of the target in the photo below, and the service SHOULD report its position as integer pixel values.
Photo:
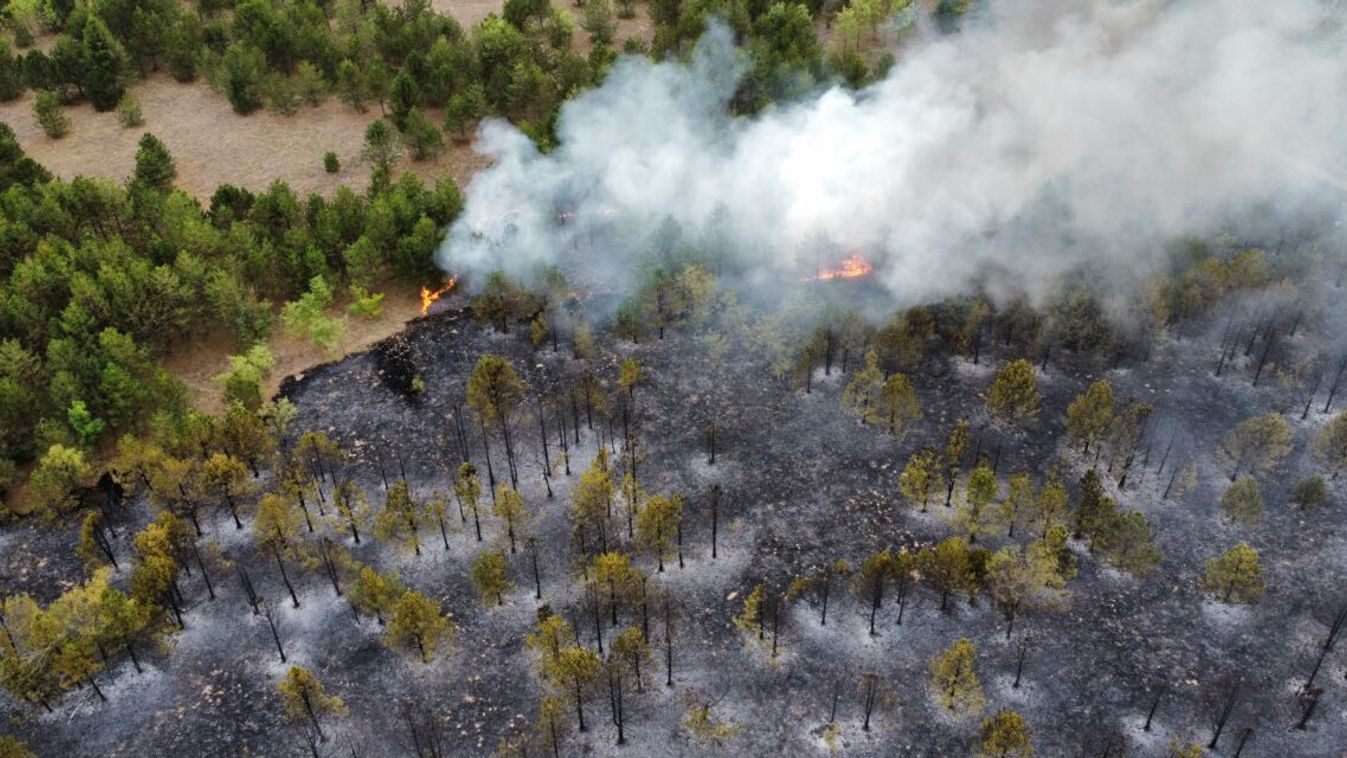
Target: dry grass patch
(468, 13)
(198, 367)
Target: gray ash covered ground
(804, 484)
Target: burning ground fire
(429, 296)
(852, 267)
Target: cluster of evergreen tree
(408, 58)
(279, 54)
(98, 281)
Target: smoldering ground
(1043, 136)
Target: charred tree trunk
(1019, 662)
(598, 619)
(248, 590)
(776, 625)
(1150, 715)
(562, 439)
(285, 577)
(876, 597)
(1318, 379)
(1337, 382)
(201, 564)
(1311, 703)
(668, 643)
(1244, 736)
(542, 425)
(329, 565)
(615, 699)
(537, 578)
(1223, 715)
(490, 469)
(715, 517)
(275, 635)
(824, 591)
(871, 685)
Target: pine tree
(351, 87)
(155, 168)
(863, 395)
(375, 593)
(104, 65)
(1310, 492)
(490, 576)
(1092, 512)
(468, 490)
(10, 747)
(50, 114)
(975, 516)
(954, 681)
(421, 136)
(1051, 558)
(57, 480)
(869, 582)
(574, 670)
(1050, 507)
(509, 508)
(922, 475)
(898, 405)
(1330, 444)
(494, 393)
(1013, 584)
(598, 21)
(464, 110)
(549, 637)
(1005, 734)
(1017, 508)
(401, 516)
(1129, 544)
(703, 726)
(632, 649)
(956, 447)
(1234, 576)
(948, 566)
(1242, 502)
(352, 509)
(1257, 444)
(613, 574)
(416, 623)
(659, 524)
(304, 698)
(382, 145)
(405, 97)
(1014, 393)
(1088, 416)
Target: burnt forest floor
(804, 484)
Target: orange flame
(429, 296)
(852, 266)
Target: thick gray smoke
(1045, 135)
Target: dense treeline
(257, 52)
(101, 279)
(405, 59)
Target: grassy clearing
(212, 145)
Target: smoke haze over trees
(1043, 136)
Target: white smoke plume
(1045, 135)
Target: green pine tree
(154, 165)
(104, 65)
